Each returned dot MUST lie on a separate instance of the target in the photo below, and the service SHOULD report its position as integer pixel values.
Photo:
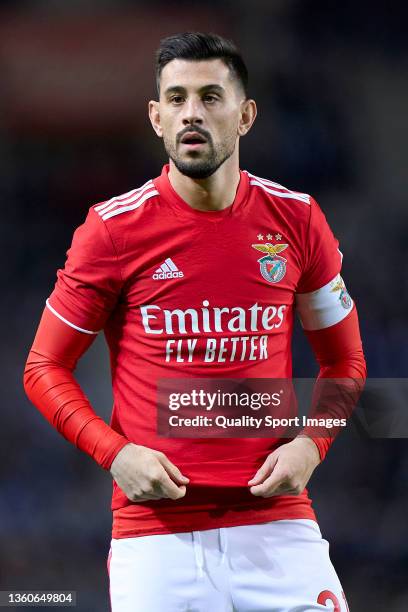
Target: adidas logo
(168, 269)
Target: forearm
(340, 381)
(50, 385)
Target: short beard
(201, 168)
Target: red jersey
(180, 293)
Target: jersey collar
(167, 192)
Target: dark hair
(196, 46)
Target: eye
(210, 98)
(178, 99)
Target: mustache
(196, 129)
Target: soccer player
(197, 273)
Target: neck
(213, 193)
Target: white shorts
(280, 566)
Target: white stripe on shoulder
(126, 198)
(135, 204)
(273, 184)
(277, 189)
(324, 307)
(118, 198)
(57, 314)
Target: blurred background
(330, 79)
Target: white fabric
(280, 566)
(324, 307)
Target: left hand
(287, 470)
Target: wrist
(116, 452)
(311, 446)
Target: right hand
(144, 474)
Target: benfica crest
(273, 266)
(345, 299)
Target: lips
(193, 138)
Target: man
(173, 273)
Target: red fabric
(86, 294)
(321, 253)
(50, 385)
(236, 510)
(339, 351)
(110, 281)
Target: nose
(192, 112)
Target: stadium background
(331, 83)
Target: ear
(154, 116)
(248, 115)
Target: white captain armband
(324, 307)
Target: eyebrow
(204, 89)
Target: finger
(170, 489)
(146, 497)
(275, 483)
(173, 471)
(265, 470)
(264, 491)
(143, 497)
